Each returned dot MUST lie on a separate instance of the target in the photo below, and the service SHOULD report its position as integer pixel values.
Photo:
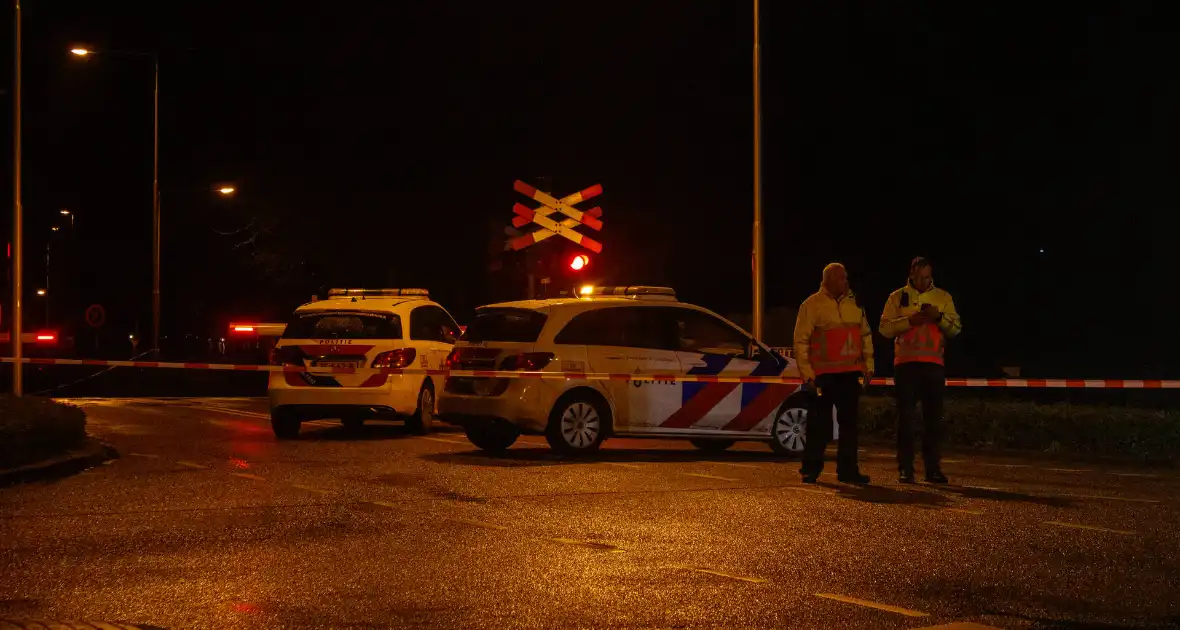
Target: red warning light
(579, 262)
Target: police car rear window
(516, 325)
(344, 325)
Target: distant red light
(46, 337)
(244, 329)
(579, 262)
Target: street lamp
(227, 190)
(41, 292)
(82, 51)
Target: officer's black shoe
(853, 478)
(936, 477)
(811, 478)
(906, 476)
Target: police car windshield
(344, 325)
(515, 325)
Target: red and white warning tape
(1040, 383)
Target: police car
(360, 328)
(619, 330)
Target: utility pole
(16, 338)
(757, 258)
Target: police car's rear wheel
(712, 446)
(492, 436)
(577, 424)
(423, 419)
(285, 424)
(789, 432)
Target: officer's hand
(919, 318)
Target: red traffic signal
(579, 262)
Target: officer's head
(836, 279)
(921, 273)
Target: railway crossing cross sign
(550, 206)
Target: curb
(92, 453)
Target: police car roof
(587, 299)
(359, 303)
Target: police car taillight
(395, 359)
(527, 362)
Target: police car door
(710, 346)
(623, 340)
(435, 333)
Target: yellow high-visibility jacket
(832, 335)
(925, 343)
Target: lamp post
(85, 52)
(757, 258)
(17, 213)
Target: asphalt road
(207, 522)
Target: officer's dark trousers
(842, 391)
(926, 383)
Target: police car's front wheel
(789, 432)
(578, 423)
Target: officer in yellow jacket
(834, 347)
(920, 317)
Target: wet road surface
(205, 521)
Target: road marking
(249, 476)
(752, 580)
(989, 488)
(582, 543)
(1007, 465)
(1102, 498)
(147, 455)
(384, 504)
(866, 603)
(735, 465)
(959, 625)
(1090, 527)
(709, 477)
(308, 488)
(809, 490)
(964, 511)
(1069, 470)
(230, 410)
(192, 465)
(482, 524)
(438, 440)
(631, 466)
(953, 461)
(1143, 475)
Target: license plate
(338, 364)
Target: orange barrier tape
(1043, 383)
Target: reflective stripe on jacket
(832, 335)
(925, 343)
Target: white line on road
(752, 580)
(1069, 470)
(147, 455)
(736, 465)
(419, 437)
(1102, 498)
(619, 465)
(1090, 527)
(249, 476)
(192, 465)
(308, 488)
(868, 604)
(709, 477)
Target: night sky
(1030, 151)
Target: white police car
(619, 330)
(361, 328)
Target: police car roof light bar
(634, 291)
(378, 292)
